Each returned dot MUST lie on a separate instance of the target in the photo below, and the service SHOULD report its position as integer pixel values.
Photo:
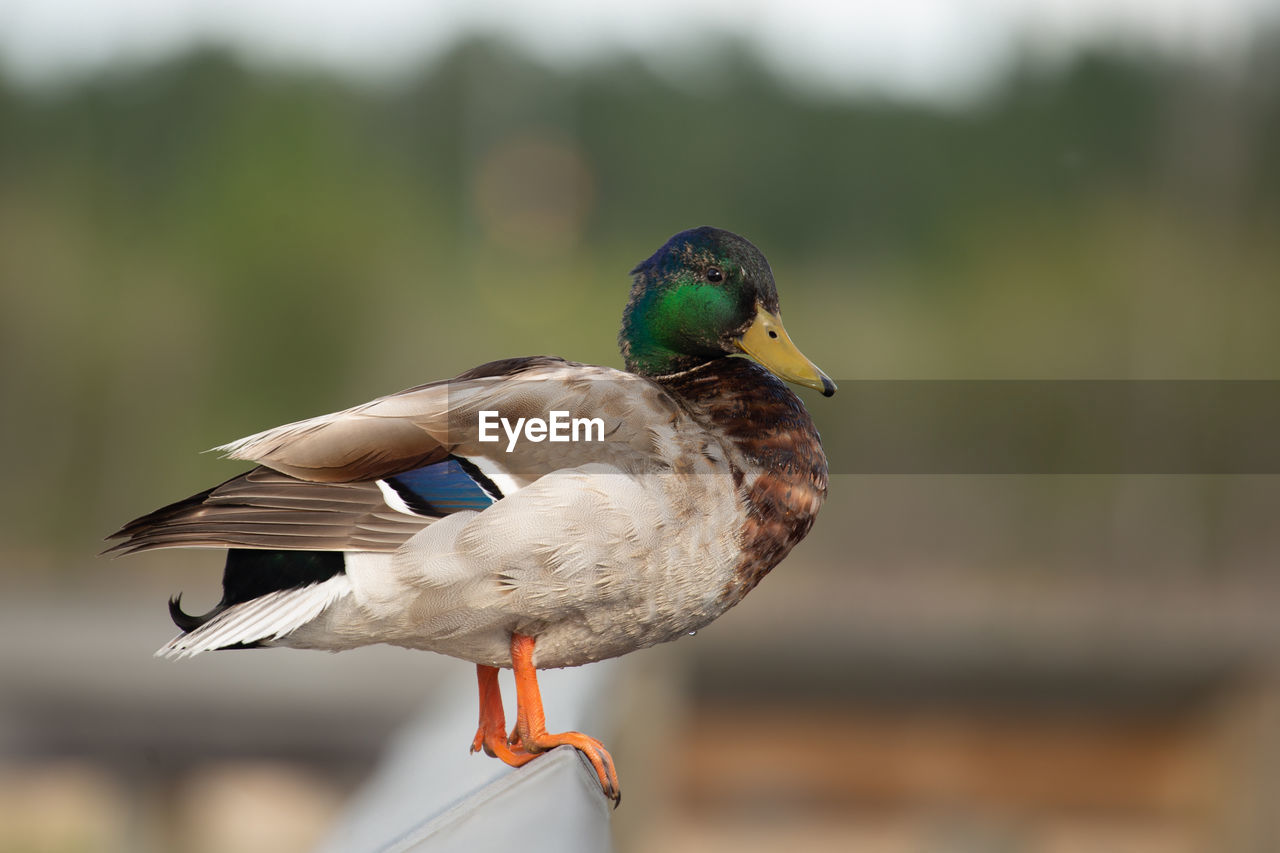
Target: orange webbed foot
(531, 721)
(593, 749)
(530, 737)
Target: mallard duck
(404, 521)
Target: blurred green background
(197, 248)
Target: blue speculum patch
(446, 487)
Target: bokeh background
(218, 217)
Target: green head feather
(692, 299)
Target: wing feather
(266, 509)
(424, 425)
(317, 485)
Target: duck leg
(491, 736)
(531, 723)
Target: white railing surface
(553, 804)
(430, 795)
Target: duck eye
(714, 275)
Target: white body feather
(587, 560)
(597, 548)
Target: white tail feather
(267, 617)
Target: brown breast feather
(768, 432)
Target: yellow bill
(768, 343)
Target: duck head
(708, 294)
